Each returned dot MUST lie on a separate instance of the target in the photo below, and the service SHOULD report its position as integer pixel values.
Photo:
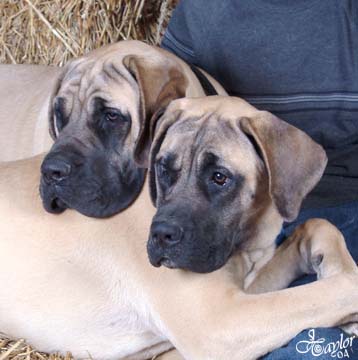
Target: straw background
(51, 32)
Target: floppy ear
(294, 162)
(163, 123)
(51, 110)
(159, 84)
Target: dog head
(100, 113)
(223, 174)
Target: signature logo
(339, 349)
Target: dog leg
(213, 319)
(276, 315)
(316, 246)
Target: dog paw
(324, 250)
(351, 329)
(351, 325)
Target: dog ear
(55, 117)
(294, 162)
(159, 84)
(52, 116)
(163, 123)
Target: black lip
(163, 261)
(56, 206)
(168, 263)
(156, 262)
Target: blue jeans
(333, 343)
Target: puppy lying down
(86, 285)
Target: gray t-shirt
(295, 58)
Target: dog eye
(112, 116)
(166, 176)
(162, 171)
(219, 178)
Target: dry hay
(19, 350)
(53, 31)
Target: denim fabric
(319, 344)
(345, 217)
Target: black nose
(55, 170)
(165, 234)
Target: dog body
(25, 92)
(86, 285)
(74, 287)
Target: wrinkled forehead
(104, 78)
(227, 107)
(197, 140)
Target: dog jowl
(100, 110)
(218, 178)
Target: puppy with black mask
(224, 176)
